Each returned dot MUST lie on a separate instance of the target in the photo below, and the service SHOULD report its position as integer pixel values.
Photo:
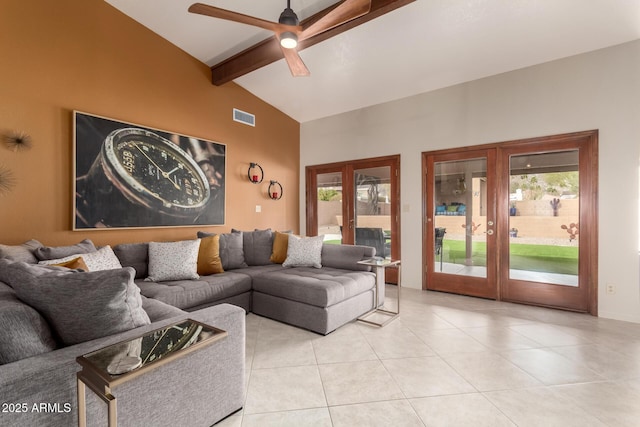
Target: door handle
(489, 232)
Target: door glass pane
(544, 217)
(373, 209)
(329, 193)
(460, 220)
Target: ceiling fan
(288, 29)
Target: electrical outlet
(611, 289)
(258, 208)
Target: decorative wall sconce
(255, 173)
(275, 190)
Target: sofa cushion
(186, 294)
(209, 261)
(23, 332)
(304, 252)
(173, 260)
(80, 306)
(257, 270)
(54, 252)
(24, 252)
(157, 310)
(203, 234)
(134, 255)
(9, 276)
(257, 246)
(319, 287)
(102, 259)
(232, 251)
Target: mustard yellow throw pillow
(74, 264)
(280, 245)
(209, 261)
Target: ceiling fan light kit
(288, 29)
(288, 40)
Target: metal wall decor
(17, 140)
(255, 173)
(7, 180)
(275, 190)
(14, 141)
(130, 176)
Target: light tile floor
(448, 360)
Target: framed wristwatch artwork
(131, 176)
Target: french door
(514, 221)
(356, 202)
(461, 222)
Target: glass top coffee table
(124, 361)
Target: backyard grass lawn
(544, 258)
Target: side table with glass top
(379, 266)
(118, 363)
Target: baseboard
(635, 318)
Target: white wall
(596, 90)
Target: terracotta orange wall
(65, 55)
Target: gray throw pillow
(11, 276)
(231, 251)
(134, 255)
(203, 234)
(24, 252)
(24, 333)
(52, 252)
(81, 306)
(257, 246)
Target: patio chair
(370, 236)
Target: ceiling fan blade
(295, 63)
(344, 12)
(216, 12)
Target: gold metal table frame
(98, 380)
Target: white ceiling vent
(244, 117)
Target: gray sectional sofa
(41, 369)
(318, 299)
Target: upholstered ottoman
(320, 300)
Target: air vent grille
(244, 117)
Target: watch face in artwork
(156, 171)
(129, 176)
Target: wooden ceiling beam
(268, 51)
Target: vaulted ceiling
(420, 46)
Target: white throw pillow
(304, 252)
(173, 260)
(102, 259)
